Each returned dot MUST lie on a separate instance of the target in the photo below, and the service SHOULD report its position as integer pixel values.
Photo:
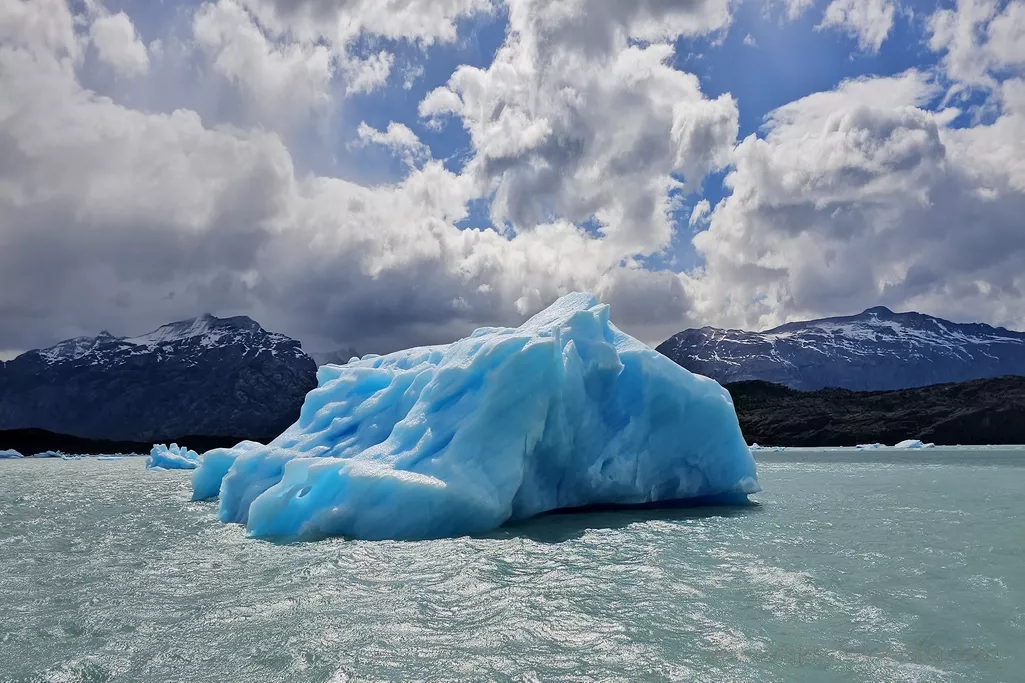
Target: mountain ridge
(203, 375)
(877, 349)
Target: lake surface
(873, 566)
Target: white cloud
(43, 27)
(978, 38)
(399, 138)
(795, 8)
(341, 22)
(368, 74)
(283, 81)
(116, 43)
(750, 41)
(870, 21)
(859, 195)
(701, 209)
(573, 120)
(580, 132)
(124, 219)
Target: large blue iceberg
(564, 411)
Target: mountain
(208, 376)
(984, 411)
(874, 350)
(337, 357)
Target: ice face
(564, 411)
(173, 457)
(914, 443)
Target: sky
(380, 174)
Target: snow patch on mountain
(877, 349)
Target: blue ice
(10, 455)
(173, 457)
(564, 411)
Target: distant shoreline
(987, 412)
(30, 442)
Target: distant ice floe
(564, 411)
(903, 445)
(774, 449)
(173, 457)
(10, 455)
(914, 443)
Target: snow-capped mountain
(207, 375)
(877, 349)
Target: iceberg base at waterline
(565, 411)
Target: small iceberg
(565, 411)
(109, 457)
(173, 457)
(870, 446)
(914, 443)
(52, 454)
(10, 455)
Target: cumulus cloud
(281, 80)
(976, 38)
(117, 44)
(340, 22)
(870, 21)
(43, 28)
(862, 195)
(399, 138)
(583, 142)
(701, 209)
(795, 8)
(124, 219)
(575, 118)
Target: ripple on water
(845, 572)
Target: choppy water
(856, 566)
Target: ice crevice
(564, 411)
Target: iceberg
(565, 411)
(10, 455)
(774, 449)
(914, 443)
(173, 457)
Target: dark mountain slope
(875, 350)
(210, 376)
(989, 411)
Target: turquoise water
(877, 566)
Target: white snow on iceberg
(564, 411)
(173, 457)
(914, 443)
